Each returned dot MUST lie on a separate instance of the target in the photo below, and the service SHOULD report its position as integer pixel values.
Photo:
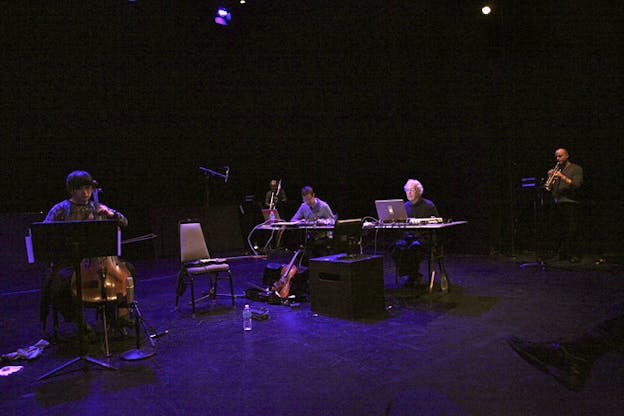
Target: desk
(436, 248)
(281, 226)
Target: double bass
(109, 271)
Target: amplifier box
(347, 286)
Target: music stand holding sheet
(75, 240)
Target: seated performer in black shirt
(409, 251)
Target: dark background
(350, 97)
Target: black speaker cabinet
(347, 287)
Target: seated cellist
(57, 283)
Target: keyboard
(423, 221)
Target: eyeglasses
(411, 190)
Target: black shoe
(554, 359)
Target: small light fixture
(223, 17)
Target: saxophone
(553, 177)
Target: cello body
(95, 272)
(107, 270)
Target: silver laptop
(391, 210)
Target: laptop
(391, 210)
(266, 213)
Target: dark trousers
(568, 229)
(407, 255)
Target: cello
(103, 279)
(281, 287)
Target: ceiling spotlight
(223, 17)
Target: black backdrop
(350, 97)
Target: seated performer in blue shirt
(314, 210)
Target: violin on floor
(282, 286)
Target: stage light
(223, 17)
(486, 10)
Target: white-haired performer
(409, 251)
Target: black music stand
(538, 231)
(73, 241)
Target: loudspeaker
(347, 286)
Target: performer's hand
(103, 209)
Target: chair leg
(180, 287)
(214, 281)
(231, 286)
(192, 284)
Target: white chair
(195, 260)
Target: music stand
(73, 241)
(538, 231)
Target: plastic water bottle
(272, 216)
(247, 318)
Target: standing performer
(56, 286)
(564, 181)
(275, 195)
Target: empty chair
(195, 261)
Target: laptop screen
(266, 213)
(391, 210)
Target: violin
(109, 271)
(282, 286)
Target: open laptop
(391, 210)
(266, 213)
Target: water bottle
(272, 216)
(247, 318)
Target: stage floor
(438, 353)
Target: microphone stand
(139, 321)
(211, 172)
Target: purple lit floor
(442, 354)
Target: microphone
(227, 173)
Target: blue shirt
(320, 210)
